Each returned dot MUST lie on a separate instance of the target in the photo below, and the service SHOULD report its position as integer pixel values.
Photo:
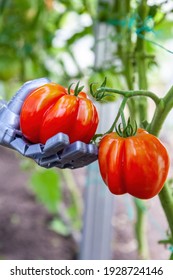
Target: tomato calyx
(101, 94)
(127, 131)
(77, 89)
(122, 131)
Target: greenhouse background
(70, 214)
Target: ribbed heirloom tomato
(51, 108)
(137, 165)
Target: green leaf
(164, 30)
(60, 227)
(47, 188)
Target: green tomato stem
(142, 110)
(140, 228)
(121, 109)
(162, 110)
(131, 93)
(166, 200)
(142, 11)
(123, 120)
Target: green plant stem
(122, 106)
(161, 112)
(131, 93)
(142, 12)
(166, 200)
(140, 228)
(122, 11)
(128, 63)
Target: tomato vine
(163, 107)
(134, 59)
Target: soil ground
(23, 231)
(23, 222)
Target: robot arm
(57, 151)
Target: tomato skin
(51, 109)
(137, 165)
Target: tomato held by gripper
(57, 151)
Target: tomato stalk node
(104, 91)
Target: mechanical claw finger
(73, 156)
(19, 145)
(48, 162)
(16, 102)
(73, 152)
(90, 156)
(35, 151)
(56, 143)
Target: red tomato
(137, 165)
(51, 109)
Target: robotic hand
(57, 151)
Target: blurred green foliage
(24, 37)
(45, 38)
(36, 38)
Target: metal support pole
(99, 202)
